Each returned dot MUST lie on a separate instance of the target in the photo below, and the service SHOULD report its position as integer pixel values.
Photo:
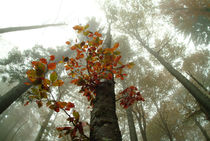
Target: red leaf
(27, 83)
(69, 106)
(52, 57)
(26, 103)
(116, 60)
(43, 60)
(97, 34)
(51, 66)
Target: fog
(105, 70)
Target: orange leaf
(52, 57)
(58, 83)
(74, 81)
(67, 42)
(34, 63)
(73, 47)
(97, 34)
(116, 45)
(43, 60)
(116, 60)
(51, 66)
(27, 83)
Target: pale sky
(37, 12)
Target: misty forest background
(177, 31)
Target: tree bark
(19, 28)
(132, 128)
(165, 125)
(201, 98)
(7, 99)
(43, 126)
(141, 122)
(104, 123)
(203, 131)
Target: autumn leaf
(69, 106)
(58, 83)
(27, 83)
(130, 65)
(68, 43)
(116, 60)
(43, 60)
(26, 103)
(52, 57)
(51, 66)
(97, 34)
(116, 45)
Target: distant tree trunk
(199, 83)
(140, 116)
(19, 28)
(203, 131)
(7, 99)
(131, 125)
(165, 125)
(200, 97)
(104, 123)
(43, 126)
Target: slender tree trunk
(140, 116)
(165, 125)
(7, 99)
(104, 123)
(132, 128)
(200, 97)
(19, 28)
(43, 126)
(199, 83)
(203, 131)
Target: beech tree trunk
(19, 28)
(203, 131)
(132, 128)
(43, 126)
(165, 124)
(141, 122)
(104, 123)
(201, 98)
(7, 99)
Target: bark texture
(43, 126)
(140, 116)
(132, 128)
(203, 131)
(19, 28)
(201, 98)
(104, 123)
(7, 99)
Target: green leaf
(53, 76)
(76, 115)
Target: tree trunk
(205, 134)
(7, 99)
(19, 28)
(132, 128)
(104, 123)
(165, 125)
(200, 97)
(43, 126)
